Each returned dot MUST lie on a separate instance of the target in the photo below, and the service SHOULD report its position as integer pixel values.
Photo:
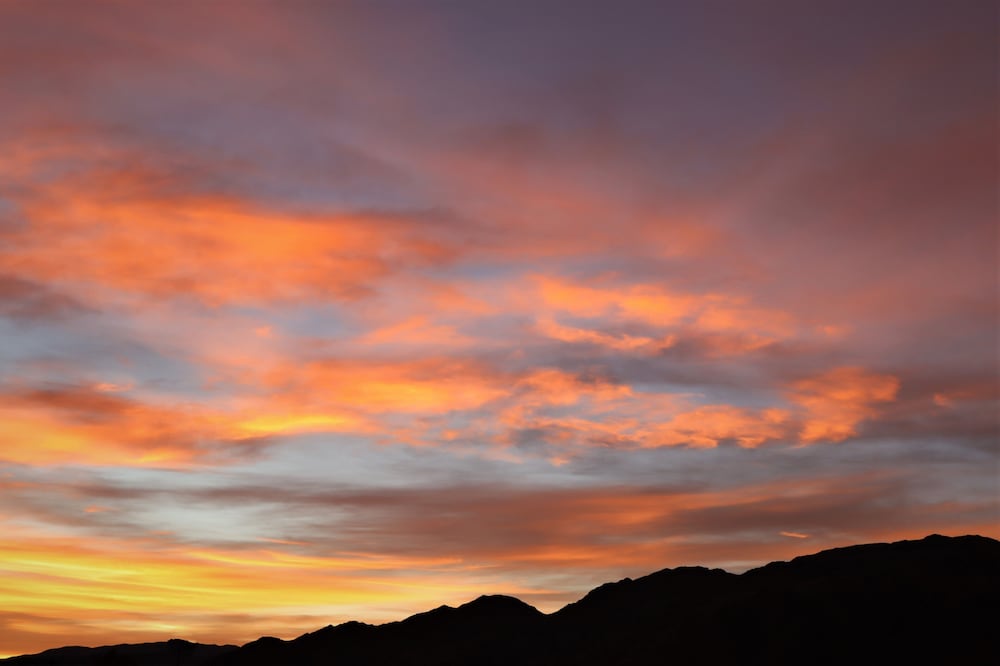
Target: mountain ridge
(932, 597)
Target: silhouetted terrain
(936, 600)
(174, 652)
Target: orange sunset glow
(313, 312)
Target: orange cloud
(623, 342)
(830, 407)
(81, 425)
(837, 401)
(126, 231)
(556, 387)
(827, 407)
(433, 385)
(404, 401)
(640, 302)
(709, 425)
(721, 324)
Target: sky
(318, 311)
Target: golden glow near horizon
(312, 314)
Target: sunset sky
(318, 311)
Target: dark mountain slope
(175, 652)
(474, 633)
(935, 600)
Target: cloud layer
(369, 307)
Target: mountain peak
(499, 604)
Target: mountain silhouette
(175, 652)
(936, 600)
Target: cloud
(620, 342)
(641, 302)
(118, 231)
(717, 324)
(713, 424)
(83, 425)
(837, 401)
(426, 385)
(492, 526)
